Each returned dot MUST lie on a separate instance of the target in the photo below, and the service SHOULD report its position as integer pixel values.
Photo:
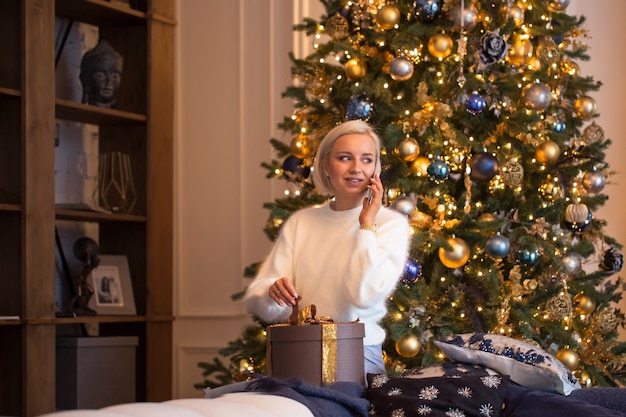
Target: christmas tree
(490, 149)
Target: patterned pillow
(526, 364)
(449, 370)
(458, 396)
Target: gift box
(318, 353)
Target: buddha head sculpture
(101, 74)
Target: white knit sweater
(345, 271)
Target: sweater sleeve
(378, 262)
(279, 263)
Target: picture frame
(112, 287)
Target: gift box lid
(287, 333)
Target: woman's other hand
(283, 292)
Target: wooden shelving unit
(140, 125)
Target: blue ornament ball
(428, 10)
(559, 126)
(528, 257)
(438, 171)
(293, 164)
(345, 12)
(557, 38)
(484, 166)
(475, 103)
(412, 271)
(359, 107)
(497, 246)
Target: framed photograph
(112, 287)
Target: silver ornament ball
(401, 69)
(498, 246)
(572, 263)
(537, 96)
(404, 205)
(465, 18)
(594, 181)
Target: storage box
(95, 372)
(318, 353)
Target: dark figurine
(101, 75)
(85, 250)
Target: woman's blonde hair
(322, 181)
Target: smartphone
(370, 194)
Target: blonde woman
(344, 256)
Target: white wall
(606, 65)
(232, 66)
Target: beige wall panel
(607, 65)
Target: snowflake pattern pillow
(526, 364)
(449, 370)
(459, 396)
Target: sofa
(237, 404)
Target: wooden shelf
(9, 92)
(96, 216)
(99, 12)
(10, 207)
(84, 113)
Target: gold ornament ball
(547, 50)
(516, 13)
(585, 107)
(547, 152)
(569, 358)
(584, 378)
(419, 166)
(240, 368)
(458, 256)
(558, 307)
(408, 149)
(299, 147)
(388, 16)
(355, 69)
(386, 358)
(337, 27)
(570, 67)
(550, 190)
(533, 63)
(486, 217)
(408, 345)
(512, 173)
(583, 304)
(606, 319)
(440, 45)
(521, 50)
